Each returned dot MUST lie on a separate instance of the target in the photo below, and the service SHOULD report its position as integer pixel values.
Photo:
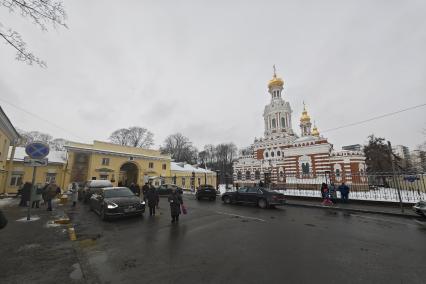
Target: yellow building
(53, 172)
(124, 165)
(8, 137)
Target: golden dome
(305, 116)
(315, 131)
(275, 81)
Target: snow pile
(7, 202)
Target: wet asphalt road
(217, 243)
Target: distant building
(354, 147)
(401, 151)
(283, 157)
(53, 172)
(418, 160)
(8, 137)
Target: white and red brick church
(282, 156)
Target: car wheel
(262, 203)
(102, 214)
(227, 200)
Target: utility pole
(393, 176)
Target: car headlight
(112, 205)
(143, 202)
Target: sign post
(36, 151)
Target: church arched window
(274, 123)
(282, 122)
(305, 168)
(278, 153)
(248, 175)
(272, 154)
(239, 175)
(266, 155)
(257, 175)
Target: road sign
(37, 150)
(35, 162)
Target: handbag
(184, 210)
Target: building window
(267, 155)
(239, 175)
(274, 123)
(164, 166)
(183, 181)
(278, 153)
(337, 173)
(256, 175)
(105, 161)
(50, 177)
(248, 175)
(103, 177)
(131, 158)
(272, 154)
(305, 168)
(16, 180)
(151, 165)
(282, 122)
(199, 181)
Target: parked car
(166, 189)
(93, 186)
(420, 208)
(206, 192)
(115, 202)
(262, 197)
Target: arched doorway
(129, 173)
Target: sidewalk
(354, 207)
(30, 249)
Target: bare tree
(140, 137)
(133, 136)
(31, 136)
(180, 148)
(58, 144)
(42, 13)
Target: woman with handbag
(175, 201)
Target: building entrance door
(129, 173)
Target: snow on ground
(7, 202)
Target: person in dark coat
(145, 189)
(332, 192)
(344, 192)
(138, 190)
(25, 194)
(323, 189)
(133, 187)
(175, 200)
(153, 199)
(261, 184)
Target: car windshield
(118, 192)
(270, 190)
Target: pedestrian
(25, 194)
(51, 192)
(138, 190)
(153, 199)
(145, 189)
(323, 189)
(326, 195)
(261, 184)
(344, 192)
(332, 192)
(74, 193)
(43, 194)
(36, 196)
(133, 187)
(175, 200)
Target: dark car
(420, 208)
(260, 196)
(166, 189)
(116, 202)
(206, 192)
(93, 186)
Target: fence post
(393, 176)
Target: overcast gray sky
(202, 67)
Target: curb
(353, 210)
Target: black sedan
(115, 202)
(259, 196)
(166, 189)
(206, 191)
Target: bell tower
(305, 122)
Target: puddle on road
(76, 274)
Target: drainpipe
(9, 168)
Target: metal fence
(385, 187)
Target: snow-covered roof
(53, 157)
(182, 167)
(305, 139)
